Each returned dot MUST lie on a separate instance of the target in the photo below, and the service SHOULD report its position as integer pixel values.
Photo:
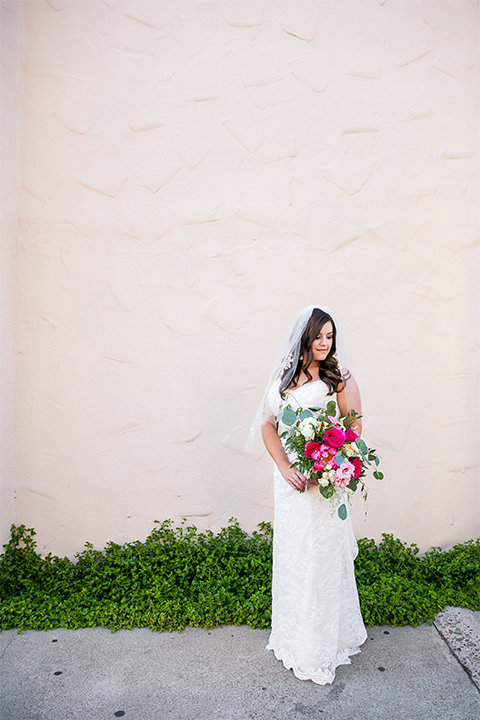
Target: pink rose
(343, 474)
(357, 464)
(351, 435)
(326, 451)
(319, 466)
(311, 447)
(334, 437)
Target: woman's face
(322, 344)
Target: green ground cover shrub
(398, 587)
(180, 577)
(177, 577)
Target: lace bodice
(311, 394)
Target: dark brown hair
(328, 369)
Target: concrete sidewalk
(225, 673)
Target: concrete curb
(460, 628)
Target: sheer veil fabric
(316, 619)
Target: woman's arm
(348, 399)
(292, 475)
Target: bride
(316, 619)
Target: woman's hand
(293, 476)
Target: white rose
(307, 429)
(324, 483)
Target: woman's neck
(314, 371)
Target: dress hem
(324, 676)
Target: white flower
(328, 467)
(349, 453)
(307, 428)
(324, 483)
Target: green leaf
(342, 512)
(331, 408)
(378, 475)
(288, 416)
(352, 485)
(327, 491)
(361, 446)
(377, 461)
(305, 414)
(339, 458)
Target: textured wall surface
(191, 175)
(10, 29)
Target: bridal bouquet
(329, 450)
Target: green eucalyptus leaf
(377, 461)
(361, 446)
(305, 414)
(352, 485)
(342, 512)
(339, 458)
(331, 408)
(288, 416)
(378, 475)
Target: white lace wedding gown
(316, 619)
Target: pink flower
(319, 466)
(351, 435)
(334, 437)
(310, 448)
(326, 451)
(343, 474)
(357, 463)
(333, 420)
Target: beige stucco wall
(193, 174)
(10, 37)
